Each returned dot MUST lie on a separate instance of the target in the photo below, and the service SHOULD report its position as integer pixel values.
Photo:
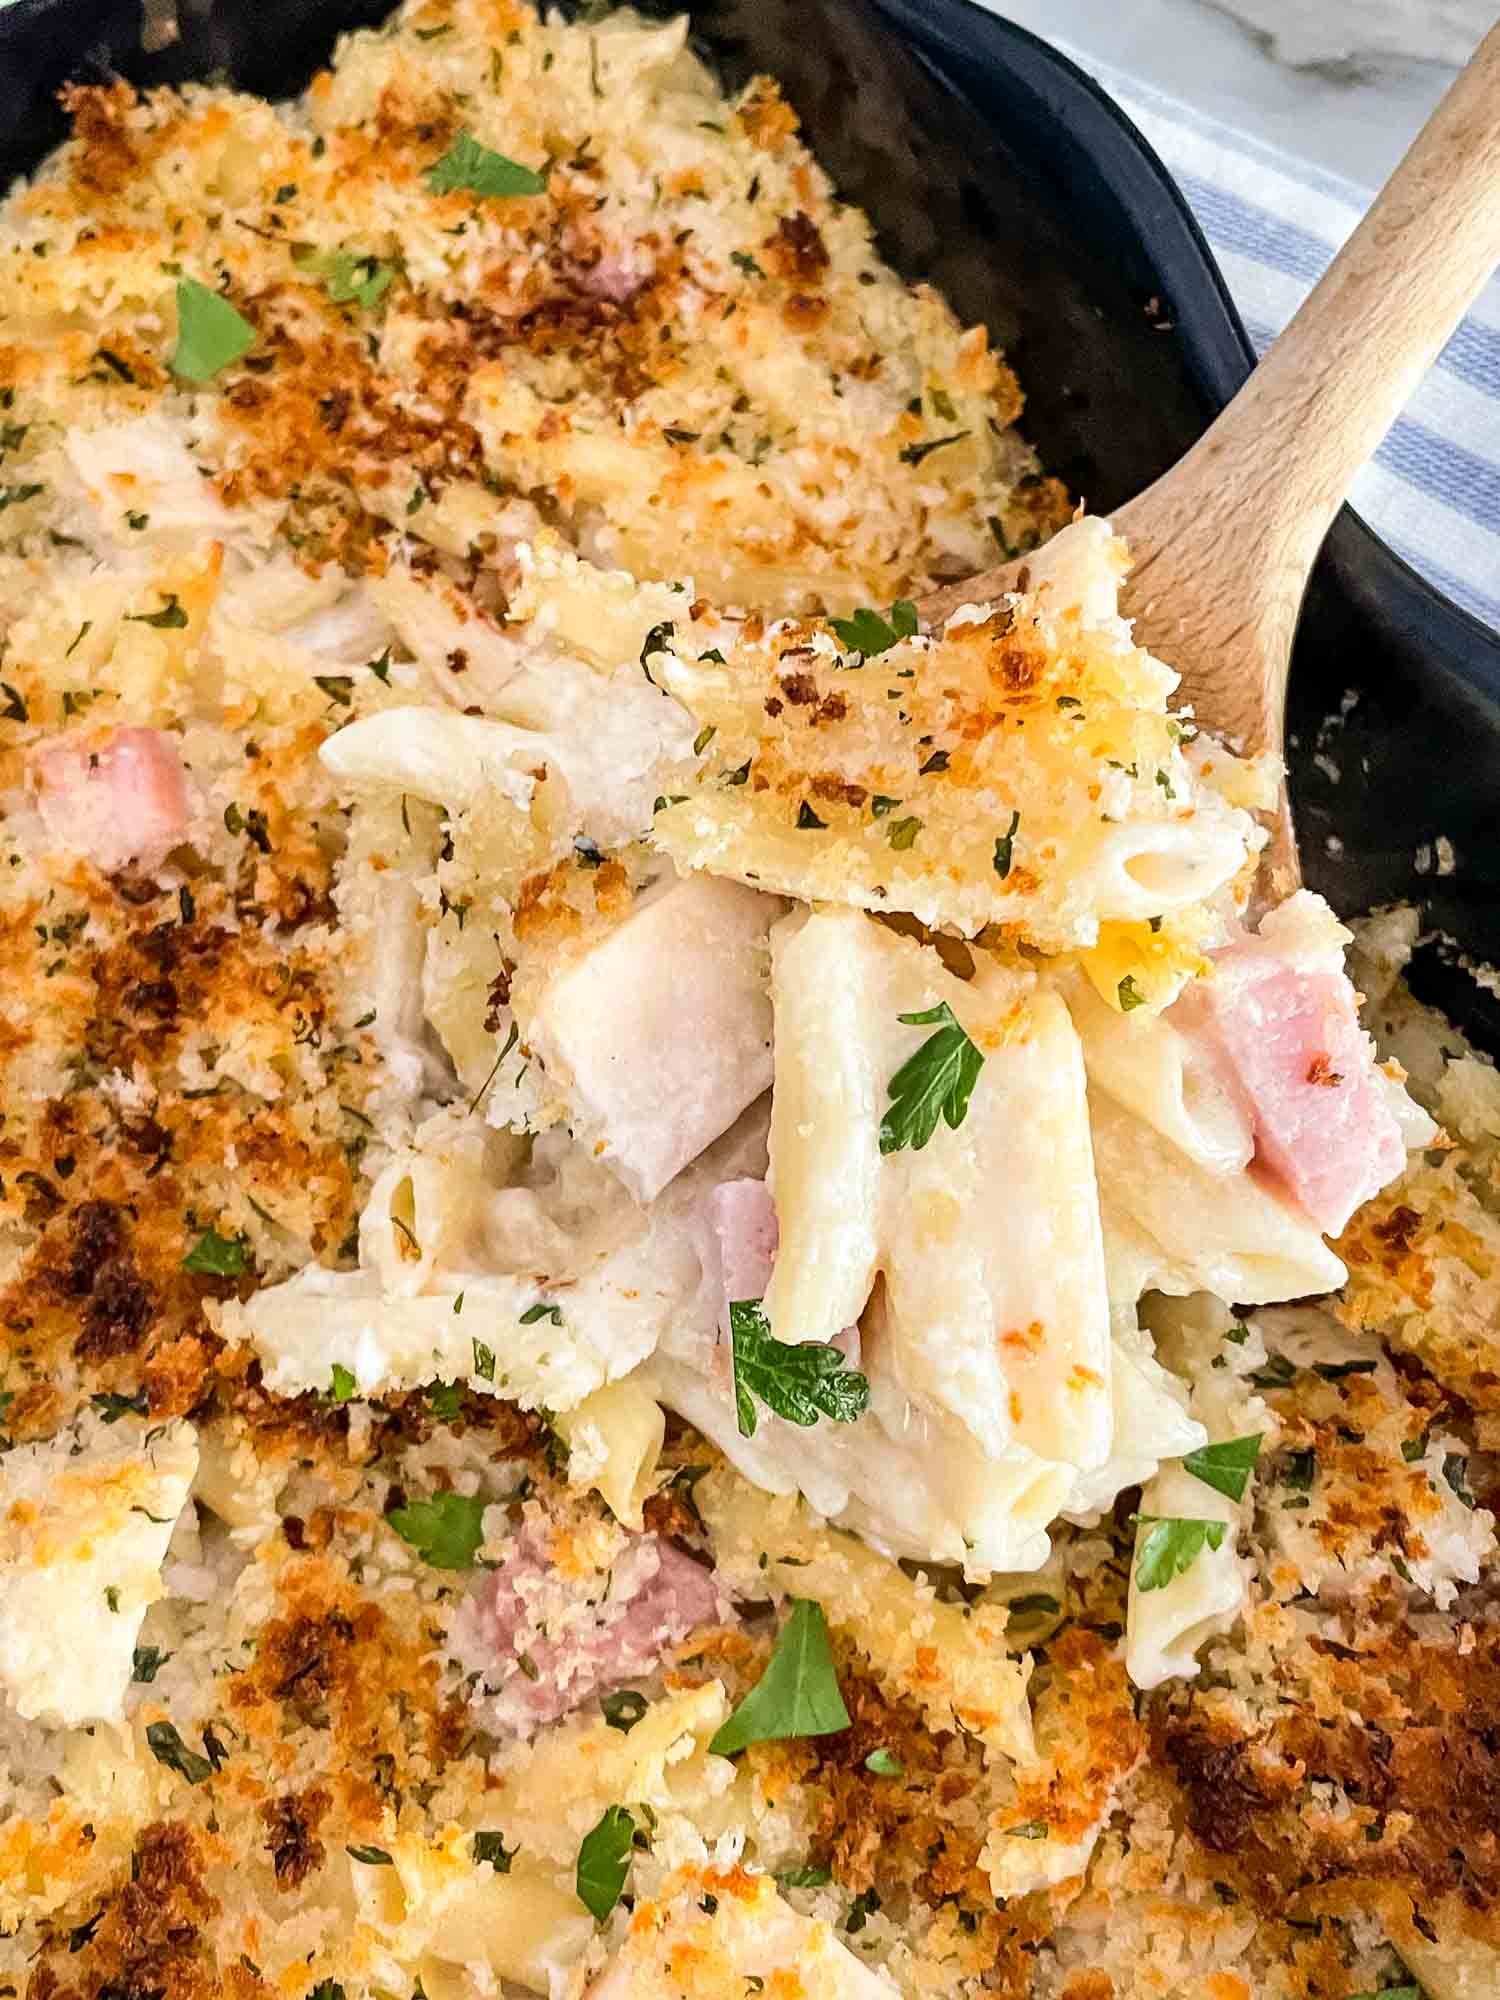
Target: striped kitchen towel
(1433, 488)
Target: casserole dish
(993, 167)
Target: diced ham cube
(542, 1644)
(1322, 1119)
(743, 1218)
(118, 798)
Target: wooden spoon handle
(1326, 393)
(1225, 540)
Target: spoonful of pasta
(1222, 545)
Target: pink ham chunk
(742, 1216)
(118, 798)
(1292, 1040)
(542, 1643)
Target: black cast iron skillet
(997, 171)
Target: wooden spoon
(1223, 543)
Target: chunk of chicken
(660, 1034)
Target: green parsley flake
(468, 165)
(484, 1360)
(797, 1695)
(215, 1256)
(445, 1531)
(112, 1407)
(623, 1710)
(604, 1861)
(168, 1748)
(868, 633)
(170, 618)
(1129, 994)
(541, 1310)
(885, 1763)
(445, 1401)
(350, 277)
(491, 1847)
(372, 1857)
(936, 1082)
(1004, 847)
(1169, 1547)
(902, 833)
(799, 1381)
(146, 1662)
(913, 454)
(1225, 1467)
(804, 1878)
(210, 333)
(343, 1386)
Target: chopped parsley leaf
(797, 1695)
(168, 1748)
(868, 633)
(1455, 1475)
(935, 1082)
(112, 1407)
(350, 278)
(604, 1861)
(210, 333)
(215, 1256)
(804, 1878)
(473, 167)
(171, 617)
(542, 1310)
(1005, 847)
(445, 1531)
(1171, 1546)
(1226, 1467)
(624, 1710)
(913, 454)
(800, 1381)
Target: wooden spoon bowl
(1222, 545)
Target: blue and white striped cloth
(1433, 488)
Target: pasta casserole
(693, 1302)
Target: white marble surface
(1342, 83)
